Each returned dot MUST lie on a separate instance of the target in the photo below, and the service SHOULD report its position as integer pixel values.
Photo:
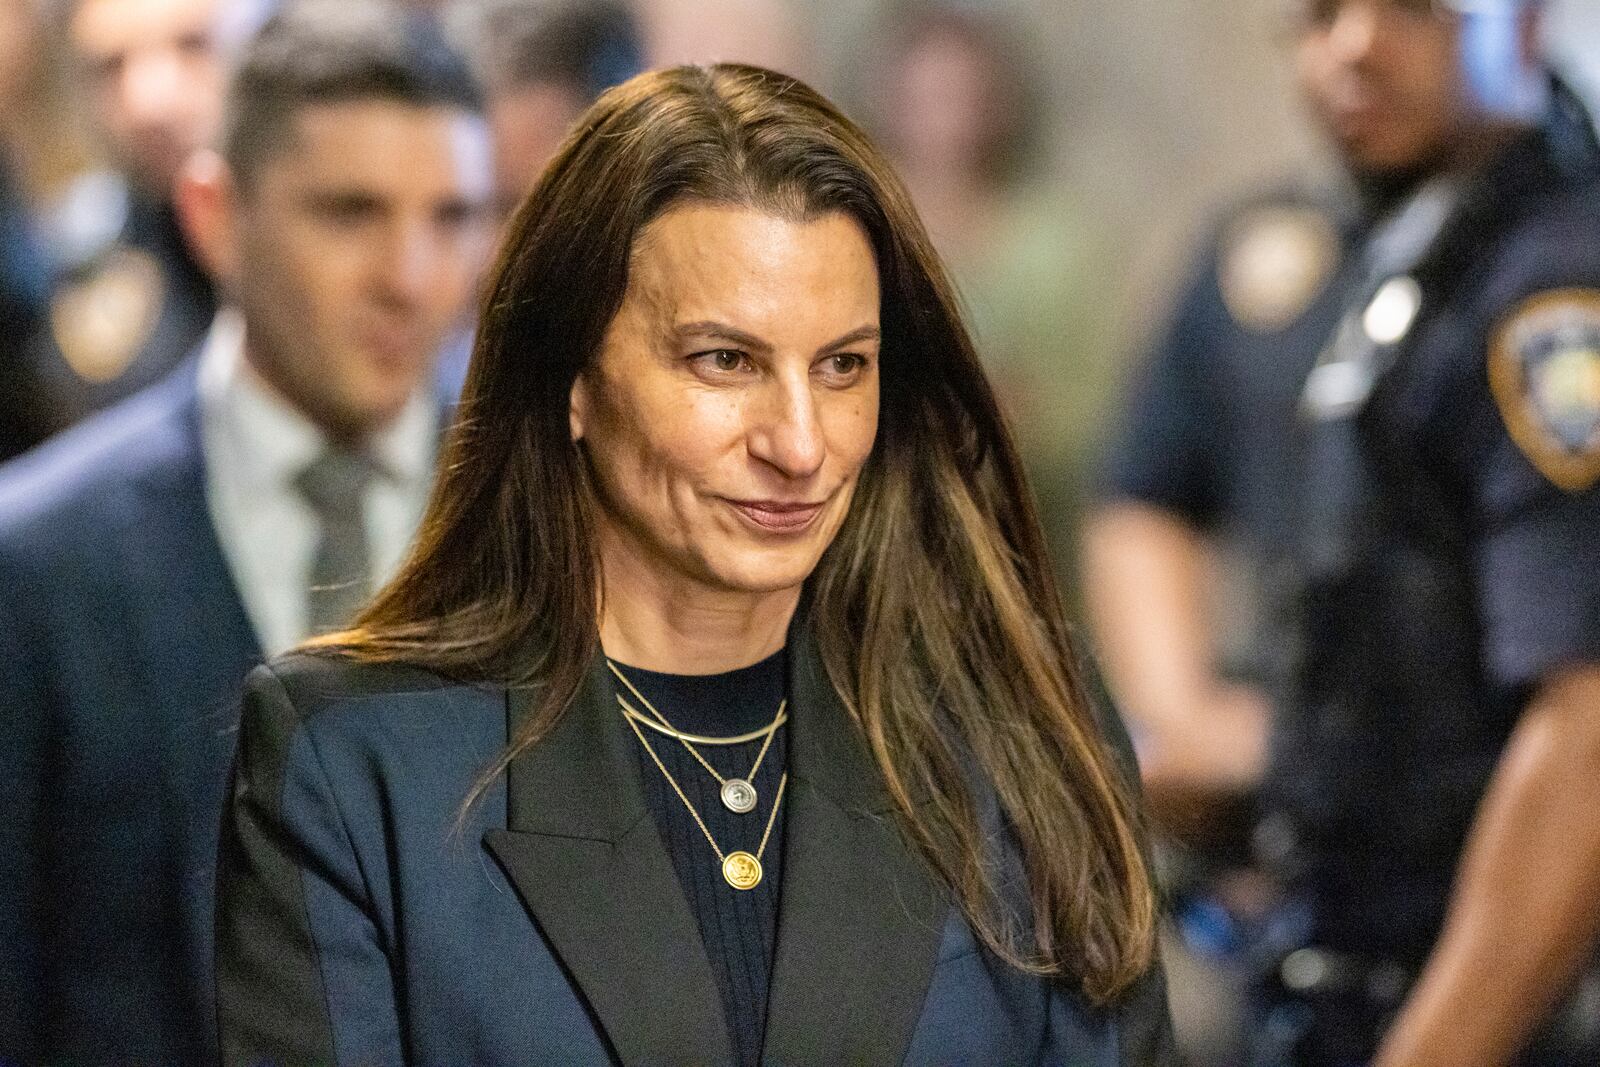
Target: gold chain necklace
(699, 739)
(738, 794)
(739, 869)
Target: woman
(724, 712)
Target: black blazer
(358, 923)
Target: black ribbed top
(738, 927)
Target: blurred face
(1383, 76)
(357, 247)
(155, 80)
(19, 40)
(529, 123)
(735, 398)
(943, 100)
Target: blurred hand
(1201, 760)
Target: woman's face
(734, 399)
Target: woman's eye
(722, 360)
(844, 364)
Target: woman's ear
(578, 407)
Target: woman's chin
(760, 571)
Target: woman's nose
(787, 428)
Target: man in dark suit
(150, 556)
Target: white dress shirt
(255, 443)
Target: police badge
(1544, 371)
(101, 321)
(1274, 262)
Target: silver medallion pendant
(738, 796)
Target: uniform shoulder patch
(102, 320)
(1274, 260)
(1544, 371)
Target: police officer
(129, 301)
(1194, 482)
(1436, 779)
(1186, 549)
(1442, 726)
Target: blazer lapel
(584, 854)
(860, 918)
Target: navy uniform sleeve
(1165, 451)
(302, 975)
(1530, 458)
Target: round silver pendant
(738, 795)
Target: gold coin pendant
(742, 870)
(738, 796)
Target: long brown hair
(935, 610)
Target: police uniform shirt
(1474, 570)
(255, 446)
(1209, 427)
(128, 303)
(1502, 397)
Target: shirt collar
(272, 441)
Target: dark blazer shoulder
(317, 679)
(385, 709)
(76, 483)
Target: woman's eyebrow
(860, 333)
(722, 331)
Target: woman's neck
(673, 625)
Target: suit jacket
(124, 644)
(360, 922)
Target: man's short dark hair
(332, 52)
(585, 46)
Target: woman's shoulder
(362, 765)
(328, 694)
(314, 679)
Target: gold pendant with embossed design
(742, 870)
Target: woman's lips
(778, 516)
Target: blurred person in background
(150, 556)
(769, 33)
(541, 63)
(959, 106)
(1188, 555)
(129, 301)
(1398, 419)
(41, 153)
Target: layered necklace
(740, 869)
